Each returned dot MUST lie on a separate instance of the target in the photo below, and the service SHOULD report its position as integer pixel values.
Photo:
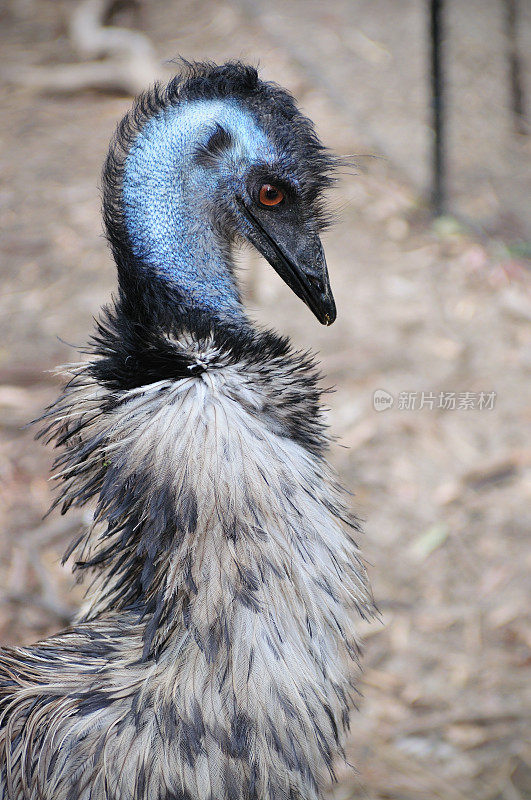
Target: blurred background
(433, 316)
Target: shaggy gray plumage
(213, 659)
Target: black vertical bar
(438, 190)
(515, 71)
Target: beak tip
(328, 317)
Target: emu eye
(270, 195)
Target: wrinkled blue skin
(171, 202)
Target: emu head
(216, 157)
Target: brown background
(421, 307)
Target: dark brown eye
(270, 195)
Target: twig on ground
(120, 59)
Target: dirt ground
(427, 312)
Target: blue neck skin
(167, 197)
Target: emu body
(213, 658)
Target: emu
(214, 657)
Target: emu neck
(170, 210)
(188, 256)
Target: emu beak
(295, 252)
